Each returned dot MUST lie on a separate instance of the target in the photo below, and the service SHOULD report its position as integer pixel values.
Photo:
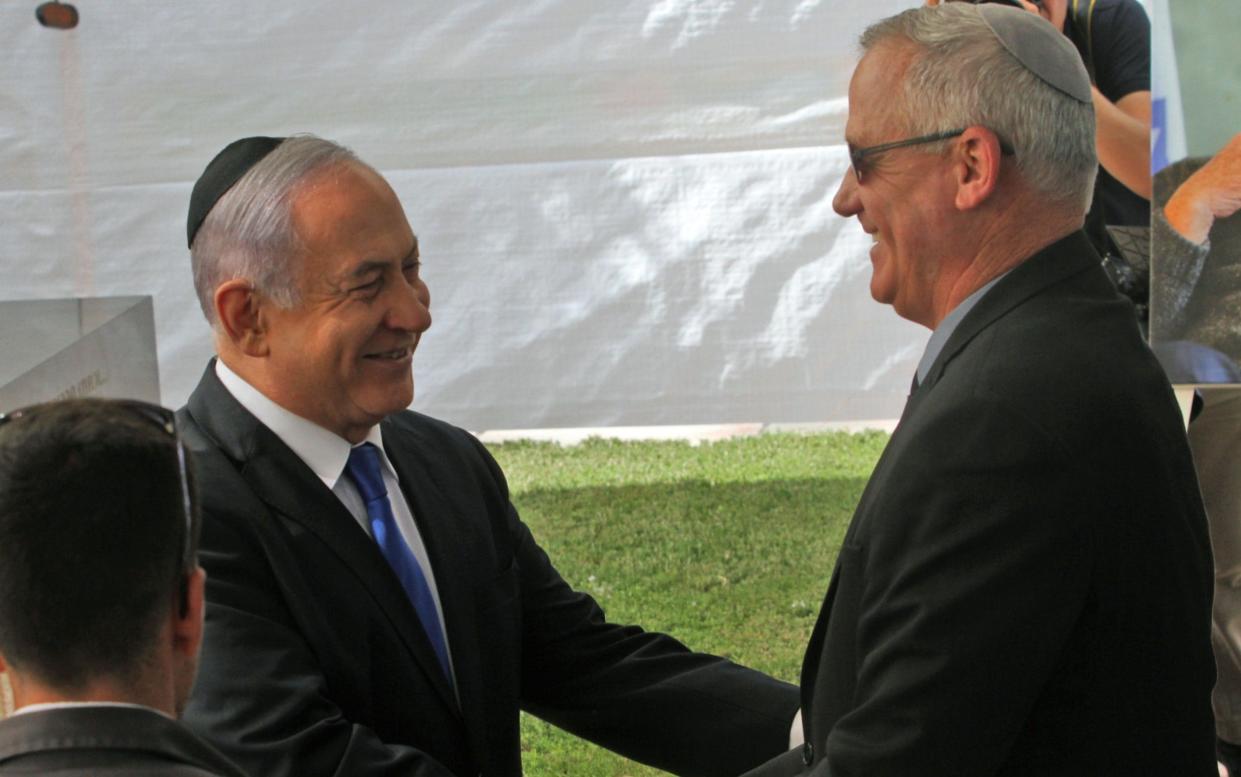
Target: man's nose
(411, 310)
(846, 201)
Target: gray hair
(961, 75)
(249, 232)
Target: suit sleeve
(644, 695)
(968, 596)
(265, 700)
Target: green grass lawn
(727, 546)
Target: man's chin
(879, 293)
(393, 401)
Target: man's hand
(1214, 191)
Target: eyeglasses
(166, 420)
(857, 156)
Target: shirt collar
(323, 451)
(939, 338)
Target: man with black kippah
(1025, 587)
(374, 605)
(101, 596)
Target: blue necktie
(364, 469)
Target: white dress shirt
(326, 453)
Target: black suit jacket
(1025, 587)
(314, 662)
(107, 742)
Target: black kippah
(222, 172)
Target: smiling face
(904, 201)
(343, 356)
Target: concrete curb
(692, 434)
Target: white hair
(249, 234)
(961, 75)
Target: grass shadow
(737, 569)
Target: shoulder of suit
(1067, 334)
(439, 439)
(411, 422)
(440, 445)
(139, 737)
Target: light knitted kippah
(1038, 46)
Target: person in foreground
(101, 596)
(375, 606)
(1025, 587)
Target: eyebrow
(378, 265)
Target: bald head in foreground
(1025, 587)
(374, 604)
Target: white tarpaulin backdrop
(624, 208)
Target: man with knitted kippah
(1025, 586)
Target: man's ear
(976, 166)
(187, 614)
(239, 307)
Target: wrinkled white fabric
(624, 208)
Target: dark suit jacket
(107, 742)
(314, 662)
(1025, 587)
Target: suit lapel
(448, 550)
(287, 485)
(814, 649)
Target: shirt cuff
(797, 736)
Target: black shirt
(1119, 45)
